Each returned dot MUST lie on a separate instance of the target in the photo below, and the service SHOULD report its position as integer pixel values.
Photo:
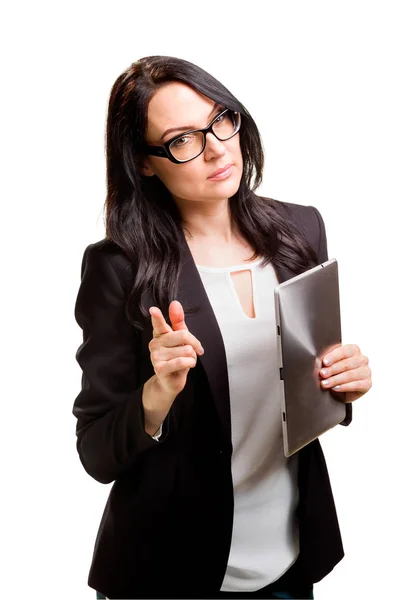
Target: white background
(329, 85)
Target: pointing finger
(177, 319)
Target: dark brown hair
(140, 214)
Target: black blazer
(166, 528)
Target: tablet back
(308, 318)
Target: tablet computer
(308, 326)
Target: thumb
(177, 316)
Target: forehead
(176, 104)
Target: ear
(144, 167)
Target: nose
(214, 147)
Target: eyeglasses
(187, 146)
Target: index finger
(339, 352)
(158, 321)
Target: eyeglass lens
(191, 144)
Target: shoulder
(307, 219)
(106, 256)
(304, 216)
(106, 249)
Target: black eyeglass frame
(164, 151)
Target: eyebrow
(189, 127)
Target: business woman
(178, 405)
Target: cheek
(237, 152)
(181, 179)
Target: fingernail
(326, 361)
(324, 371)
(336, 387)
(325, 382)
(202, 351)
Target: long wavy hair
(141, 216)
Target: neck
(207, 221)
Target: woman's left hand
(347, 371)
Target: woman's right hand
(173, 350)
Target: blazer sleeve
(109, 410)
(322, 253)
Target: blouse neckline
(241, 267)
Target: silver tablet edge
(305, 273)
(286, 450)
(281, 382)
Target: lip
(222, 173)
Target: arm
(110, 428)
(323, 257)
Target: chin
(232, 186)
(232, 190)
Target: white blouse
(265, 531)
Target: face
(177, 106)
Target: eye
(223, 119)
(183, 141)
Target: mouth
(222, 173)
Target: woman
(177, 406)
